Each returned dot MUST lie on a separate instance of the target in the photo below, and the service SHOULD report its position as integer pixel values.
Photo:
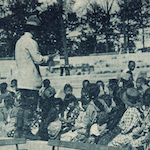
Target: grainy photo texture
(75, 74)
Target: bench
(11, 141)
(80, 146)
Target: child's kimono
(70, 118)
(10, 117)
(129, 122)
(88, 119)
(142, 138)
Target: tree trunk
(124, 27)
(143, 37)
(95, 44)
(107, 43)
(63, 37)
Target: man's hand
(57, 52)
(51, 56)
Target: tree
(63, 25)
(98, 16)
(107, 24)
(143, 17)
(12, 20)
(131, 19)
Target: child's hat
(130, 96)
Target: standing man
(28, 59)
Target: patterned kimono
(143, 131)
(10, 116)
(129, 122)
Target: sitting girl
(94, 107)
(70, 113)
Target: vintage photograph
(75, 74)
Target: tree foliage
(95, 29)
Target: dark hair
(46, 82)
(85, 81)
(93, 90)
(131, 61)
(69, 98)
(14, 82)
(100, 81)
(67, 86)
(3, 86)
(9, 101)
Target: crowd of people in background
(118, 118)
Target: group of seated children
(119, 118)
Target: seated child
(101, 86)
(10, 116)
(47, 90)
(83, 90)
(47, 130)
(71, 110)
(130, 119)
(141, 85)
(92, 112)
(4, 93)
(78, 131)
(17, 93)
(141, 136)
(47, 98)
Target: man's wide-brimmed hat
(130, 96)
(33, 20)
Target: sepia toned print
(74, 74)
